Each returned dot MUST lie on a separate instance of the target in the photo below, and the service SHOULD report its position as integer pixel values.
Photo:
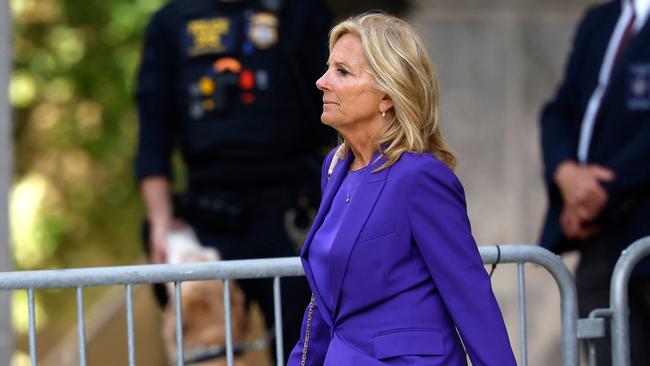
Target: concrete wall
(6, 333)
(498, 62)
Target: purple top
(319, 251)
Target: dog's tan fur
(203, 315)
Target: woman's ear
(385, 104)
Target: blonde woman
(396, 276)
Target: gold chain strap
(307, 330)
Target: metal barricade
(130, 275)
(521, 254)
(269, 268)
(618, 312)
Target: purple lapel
(340, 170)
(354, 218)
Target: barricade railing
(275, 268)
(128, 276)
(618, 312)
(553, 263)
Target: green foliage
(75, 202)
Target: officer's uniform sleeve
(561, 117)
(155, 98)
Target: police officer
(230, 85)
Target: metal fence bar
(151, 273)
(619, 299)
(130, 329)
(277, 307)
(591, 352)
(564, 281)
(180, 351)
(228, 320)
(523, 342)
(32, 327)
(592, 328)
(81, 326)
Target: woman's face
(350, 99)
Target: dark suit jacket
(621, 138)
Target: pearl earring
(383, 114)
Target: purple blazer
(405, 273)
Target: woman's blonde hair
(401, 68)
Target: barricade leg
(32, 327)
(81, 330)
(180, 349)
(619, 299)
(226, 305)
(277, 300)
(130, 329)
(522, 315)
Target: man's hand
(583, 195)
(581, 187)
(574, 228)
(158, 244)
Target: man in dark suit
(596, 148)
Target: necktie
(627, 35)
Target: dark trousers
(263, 236)
(593, 284)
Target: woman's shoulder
(425, 168)
(425, 163)
(423, 174)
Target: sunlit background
(73, 202)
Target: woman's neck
(361, 141)
(362, 153)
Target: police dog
(202, 305)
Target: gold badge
(263, 30)
(206, 35)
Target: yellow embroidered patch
(206, 35)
